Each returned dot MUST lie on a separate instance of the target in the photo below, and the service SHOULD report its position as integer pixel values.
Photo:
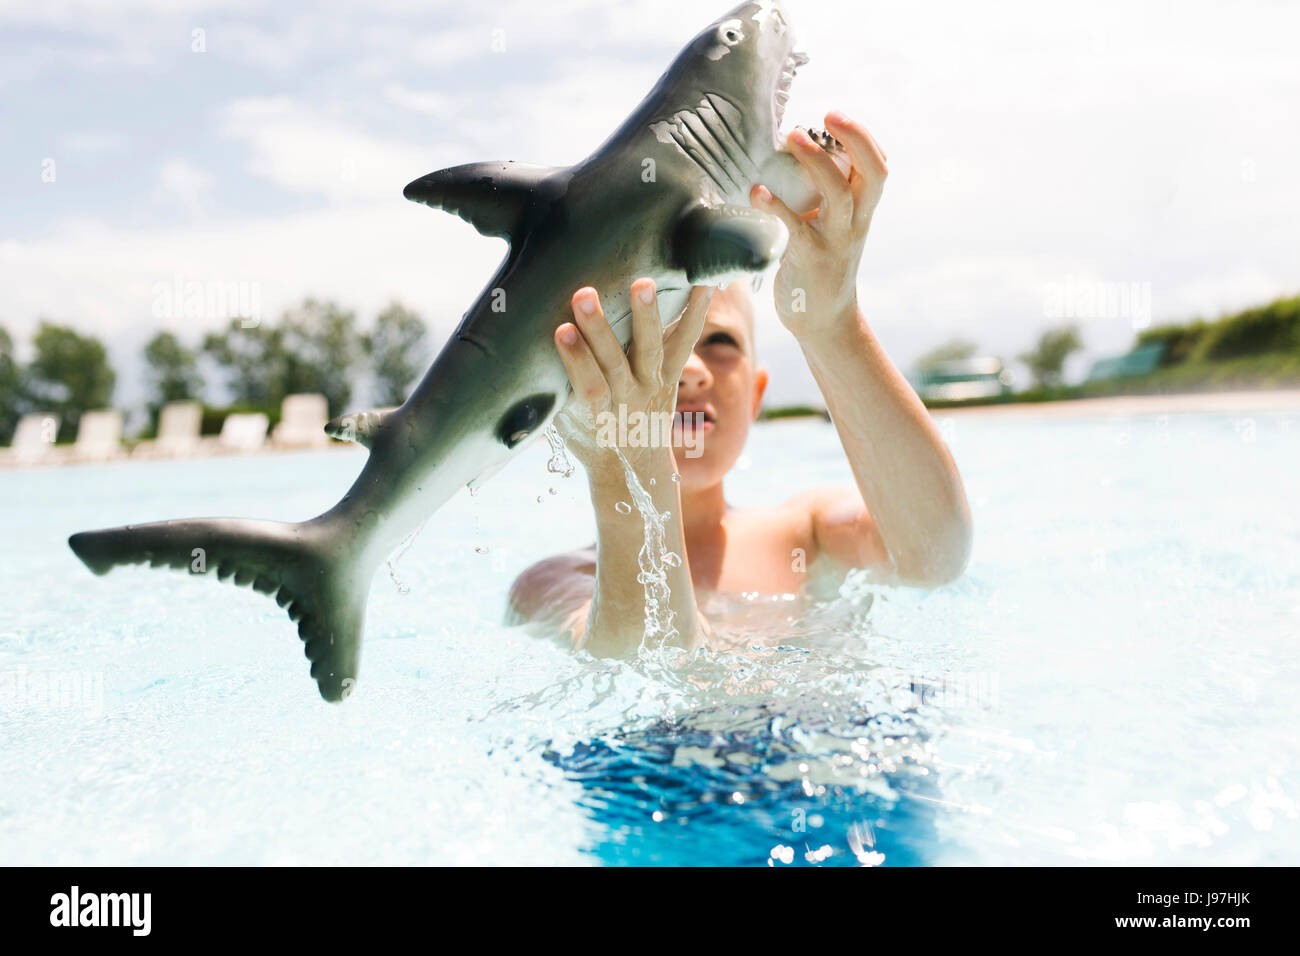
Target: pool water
(1113, 680)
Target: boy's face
(721, 380)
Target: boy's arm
(605, 380)
(617, 619)
(913, 501)
(907, 478)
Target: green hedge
(1269, 329)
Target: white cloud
(183, 184)
(93, 142)
(304, 151)
(1110, 141)
(435, 104)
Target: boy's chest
(769, 552)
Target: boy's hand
(816, 285)
(603, 377)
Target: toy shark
(667, 196)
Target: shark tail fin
(294, 563)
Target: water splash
(654, 559)
(397, 556)
(559, 463)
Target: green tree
(11, 404)
(69, 375)
(314, 349)
(949, 351)
(321, 349)
(395, 352)
(253, 361)
(173, 370)
(1046, 361)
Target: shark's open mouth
(781, 93)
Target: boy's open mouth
(693, 419)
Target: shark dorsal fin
(715, 244)
(494, 198)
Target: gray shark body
(666, 196)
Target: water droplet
(539, 499)
(623, 508)
(559, 463)
(480, 549)
(676, 476)
(652, 482)
(397, 556)
(552, 491)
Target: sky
(1114, 164)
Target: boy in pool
(907, 520)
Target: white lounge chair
(99, 436)
(178, 432)
(33, 440)
(245, 431)
(302, 422)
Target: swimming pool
(1114, 679)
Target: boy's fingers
(868, 162)
(866, 152)
(763, 198)
(647, 353)
(601, 339)
(588, 383)
(681, 340)
(837, 206)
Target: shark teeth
(781, 94)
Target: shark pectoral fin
(359, 427)
(492, 197)
(715, 244)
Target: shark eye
(730, 32)
(523, 418)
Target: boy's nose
(695, 374)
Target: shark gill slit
(704, 134)
(466, 337)
(727, 142)
(695, 151)
(749, 167)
